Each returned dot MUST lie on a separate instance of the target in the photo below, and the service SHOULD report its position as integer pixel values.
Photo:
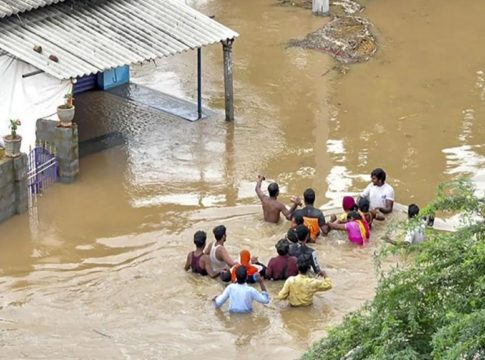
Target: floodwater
(95, 269)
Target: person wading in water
(199, 262)
(272, 207)
(219, 257)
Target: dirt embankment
(347, 37)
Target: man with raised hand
(272, 207)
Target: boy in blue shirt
(241, 295)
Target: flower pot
(65, 114)
(12, 145)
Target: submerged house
(49, 46)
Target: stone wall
(13, 186)
(65, 141)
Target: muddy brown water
(95, 270)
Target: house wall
(27, 99)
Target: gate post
(13, 186)
(20, 170)
(67, 153)
(66, 144)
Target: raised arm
(258, 190)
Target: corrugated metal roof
(12, 7)
(90, 36)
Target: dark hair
(303, 263)
(379, 174)
(309, 196)
(298, 219)
(364, 205)
(273, 189)
(225, 275)
(219, 231)
(413, 210)
(241, 274)
(291, 236)
(301, 232)
(199, 238)
(354, 215)
(282, 247)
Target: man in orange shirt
(313, 218)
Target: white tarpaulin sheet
(27, 99)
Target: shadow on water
(160, 101)
(100, 143)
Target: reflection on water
(97, 265)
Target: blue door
(86, 83)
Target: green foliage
(434, 307)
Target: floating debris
(348, 39)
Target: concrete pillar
(13, 186)
(320, 7)
(228, 84)
(66, 143)
(20, 171)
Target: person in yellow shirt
(299, 290)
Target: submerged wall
(13, 186)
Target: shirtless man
(273, 207)
(219, 257)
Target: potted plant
(65, 112)
(13, 141)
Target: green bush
(434, 307)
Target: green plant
(69, 103)
(434, 308)
(14, 124)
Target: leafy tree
(434, 307)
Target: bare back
(272, 209)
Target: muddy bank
(347, 38)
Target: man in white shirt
(379, 194)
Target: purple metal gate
(42, 170)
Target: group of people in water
(295, 260)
